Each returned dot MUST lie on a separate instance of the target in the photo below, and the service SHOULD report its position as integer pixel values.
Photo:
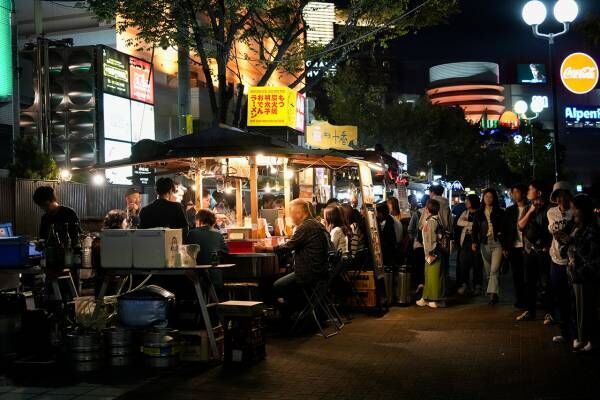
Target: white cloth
(558, 221)
(518, 243)
(488, 215)
(465, 224)
(430, 235)
(339, 240)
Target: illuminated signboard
(141, 84)
(275, 106)
(6, 69)
(115, 72)
(323, 135)
(579, 73)
(116, 151)
(117, 118)
(532, 73)
(142, 121)
(582, 116)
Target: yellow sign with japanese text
(323, 135)
(275, 106)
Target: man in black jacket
(514, 242)
(387, 235)
(537, 240)
(163, 213)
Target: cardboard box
(155, 248)
(116, 248)
(195, 346)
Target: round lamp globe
(534, 12)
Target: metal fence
(17, 207)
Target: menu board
(115, 72)
(366, 184)
(141, 80)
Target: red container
(240, 246)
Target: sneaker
(422, 303)
(577, 344)
(433, 304)
(585, 349)
(526, 316)
(548, 319)
(462, 289)
(558, 339)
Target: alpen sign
(582, 114)
(579, 73)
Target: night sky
(484, 30)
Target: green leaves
(30, 163)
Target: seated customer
(115, 219)
(163, 213)
(310, 244)
(207, 237)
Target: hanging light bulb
(267, 188)
(289, 173)
(273, 170)
(228, 188)
(277, 188)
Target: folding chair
(318, 300)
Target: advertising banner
(141, 80)
(579, 73)
(275, 106)
(115, 72)
(323, 135)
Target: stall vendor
(163, 213)
(54, 213)
(310, 244)
(133, 200)
(207, 237)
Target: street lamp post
(521, 109)
(534, 14)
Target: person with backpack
(433, 291)
(489, 238)
(415, 234)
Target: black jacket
(511, 220)
(387, 238)
(536, 234)
(480, 226)
(162, 213)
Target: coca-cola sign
(579, 73)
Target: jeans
(491, 253)
(562, 299)
(537, 266)
(516, 258)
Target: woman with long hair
(469, 260)
(338, 229)
(489, 238)
(584, 269)
(356, 223)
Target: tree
(432, 136)
(273, 28)
(31, 163)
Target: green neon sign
(6, 70)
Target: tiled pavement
(468, 351)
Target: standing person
(584, 268)
(207, 200)
(358, 240)
(335, 223)
(514, 242)
(163, 213)
(394, 207)
(387, 235)
(489, 238)
(537, 240)
(55, 214)
(468, 260)
(418, 255)
(436, 192)
(433, 290)
(133, 199)
(560, 225)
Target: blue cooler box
(14, 252)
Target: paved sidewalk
(469, 351)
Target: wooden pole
(239, 203)
(198, 185)
(254, 193)
(286, 188)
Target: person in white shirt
(433, 292)
(335, 223)
(560, 225)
